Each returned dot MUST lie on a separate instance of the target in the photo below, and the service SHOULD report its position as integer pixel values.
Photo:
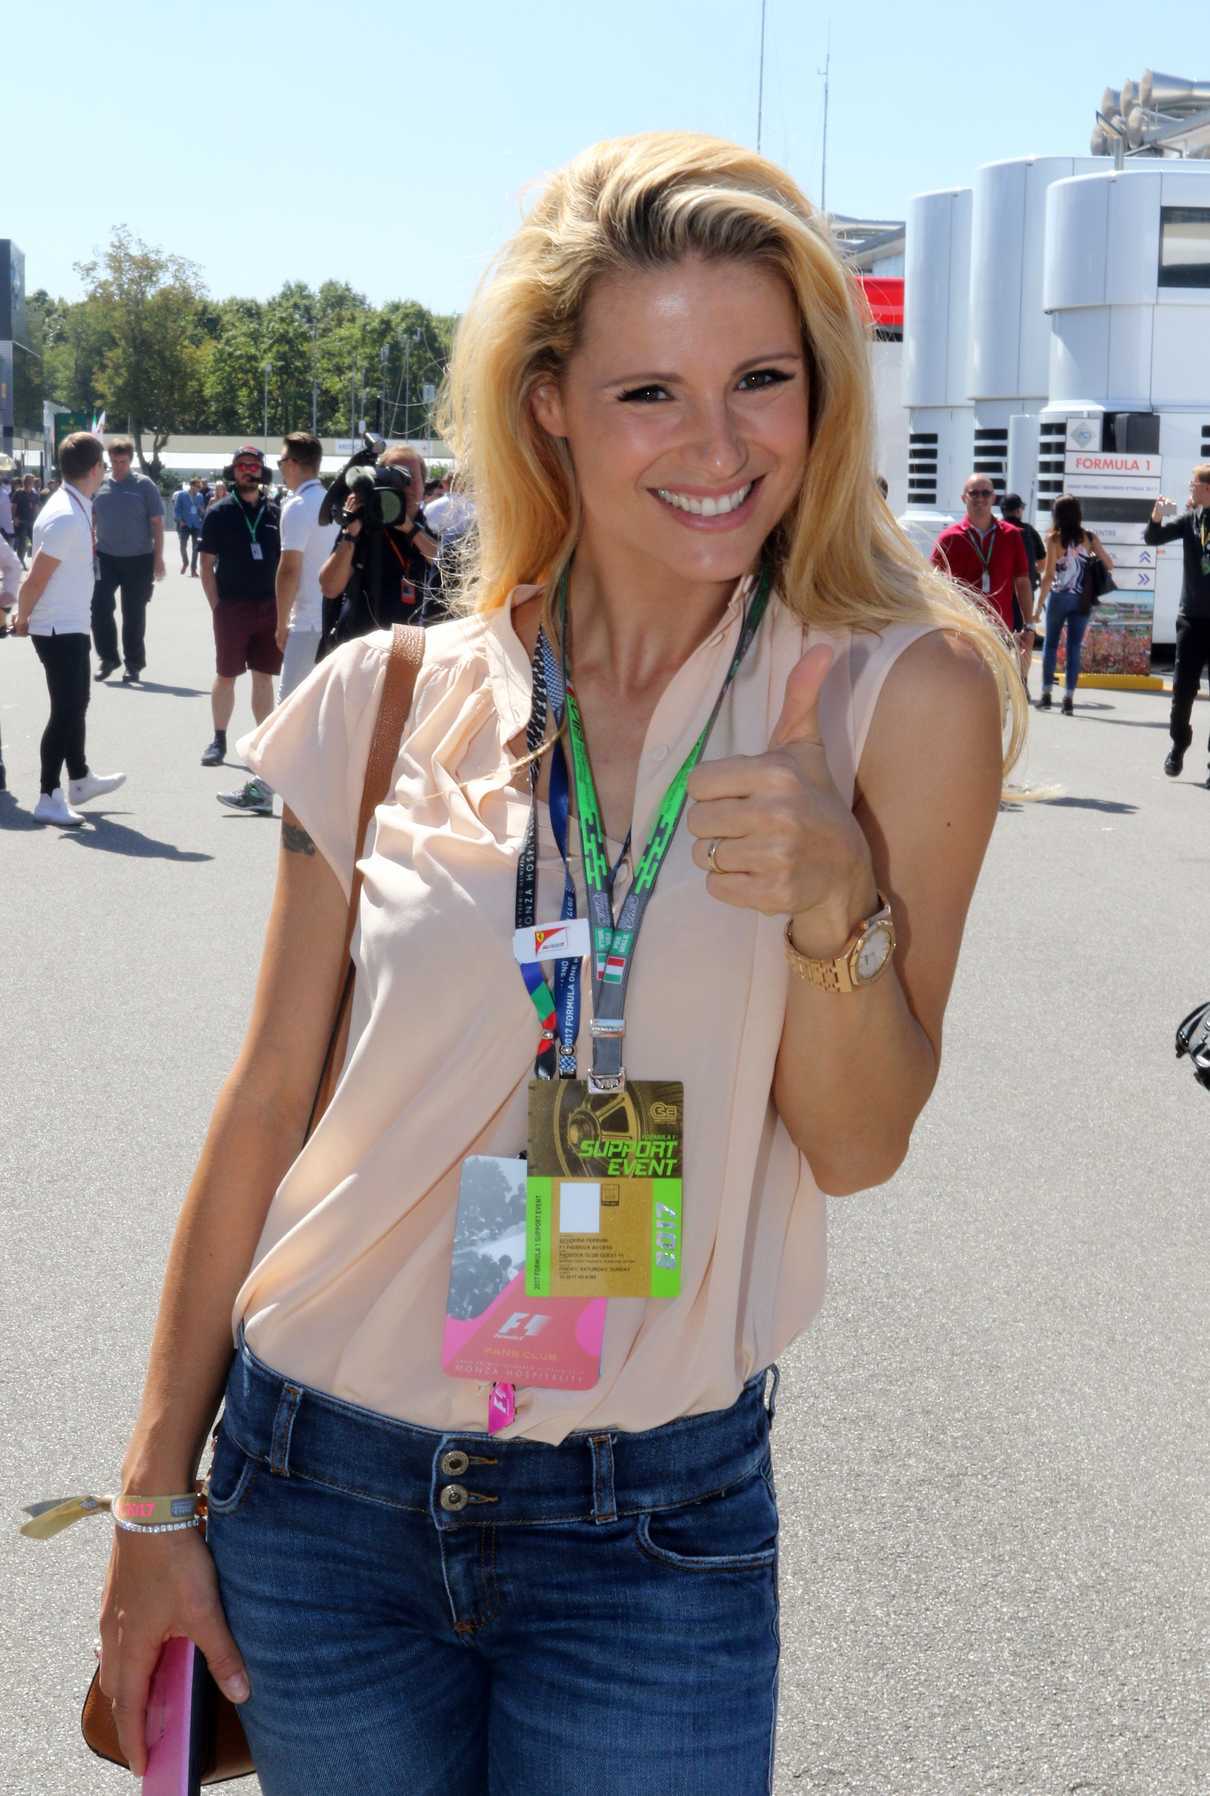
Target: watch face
(874, 953)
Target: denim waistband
(464, 1480)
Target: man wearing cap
(241, 546)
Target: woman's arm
(856, 1069)
(1048, 572)
(255, 1134)
(1098, 549)
(162, 1585)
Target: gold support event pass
(603, 1190)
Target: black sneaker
(106, 668)
(1069, 706)
(132, 676)
(1174, 763)
(214, 755)
(1044, 701)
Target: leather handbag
(225, 1753)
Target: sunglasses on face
(980, 492)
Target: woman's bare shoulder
(938, 692)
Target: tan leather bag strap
(403, 664)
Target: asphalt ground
(992, 1448)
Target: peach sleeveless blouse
(348, 1284)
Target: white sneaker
(54, 808)
(93, 785)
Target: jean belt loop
(771, 1392)
(604, 1501)
(283, 1430)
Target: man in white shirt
(54, 608)
(305, 545)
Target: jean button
(454, 1497)
(454, 1464)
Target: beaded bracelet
(156, 1527)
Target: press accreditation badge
(987, 582)
(258, 554)
(604, 1195)
(494, 1333)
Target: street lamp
(383, 357)
(268, 367)
(410, 337)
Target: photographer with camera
(375, 575)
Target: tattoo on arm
(295, 839)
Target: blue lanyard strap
(558, 1011)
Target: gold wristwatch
(864, 958)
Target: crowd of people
(1022, 578)
(284, 583)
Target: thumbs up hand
(784, 840)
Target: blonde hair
(645, 202)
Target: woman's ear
(546, 402)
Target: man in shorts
(241, 546)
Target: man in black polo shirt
(1193, 617)
(241, 545)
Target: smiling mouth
(697, 507)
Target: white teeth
(705, 508)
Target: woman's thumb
(799, 720)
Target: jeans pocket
(735, 1530)
(231, 1474)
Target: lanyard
(614, 942)
(252, 528)
(976, 542)
(88, 518)
(558, 1012)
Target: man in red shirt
(988, 555)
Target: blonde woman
(660, 405)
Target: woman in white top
(660, 405)
(1064, 593)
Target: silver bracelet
(156, 1527)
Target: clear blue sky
(390, 144)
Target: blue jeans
(427, 1614)
(1063, 608)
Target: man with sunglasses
(987, 554)
(128, 516)
(241, 546)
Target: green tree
(146, 306)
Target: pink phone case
(174, 1722)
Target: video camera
(381, 493)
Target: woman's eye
(764, 377)
(643, 395)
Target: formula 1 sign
(1093, 462)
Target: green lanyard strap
(253, 527)
(613, 943)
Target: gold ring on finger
(712, 855)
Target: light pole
(410, 337)
(268, 366)
(314, 377)
(383, 357)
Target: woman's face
(685, 411)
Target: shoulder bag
(1096, 583)
(225, 1752)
